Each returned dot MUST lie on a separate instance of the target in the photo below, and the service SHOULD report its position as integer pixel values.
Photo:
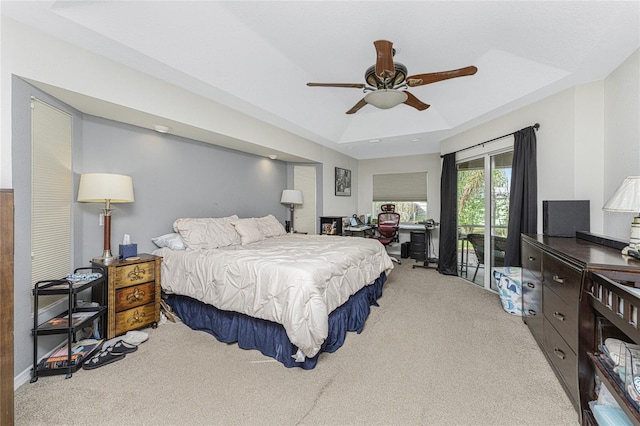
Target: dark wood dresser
(555, 281)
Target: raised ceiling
(256, 57)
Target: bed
(291, 296)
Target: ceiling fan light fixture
(385, 98)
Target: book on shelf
(63, 322)
(79, 352)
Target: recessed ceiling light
(273, 156)
(162, 129)
(374, 140)
(415, 140)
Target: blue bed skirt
(269, 337)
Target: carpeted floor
(437, 351)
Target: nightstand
(133, 294)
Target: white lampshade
(626, 198)
(100, 187)
(291, 196)
(385, 98)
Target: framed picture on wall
(343, 182)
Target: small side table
(133, 293)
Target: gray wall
(173, 177)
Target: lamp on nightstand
(626, 199)
(292, 197)
(105, 188)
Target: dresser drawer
(560, 277)
(135, 274)
(563, 358)
(135, 318)
(532, 306)
(132, 296)
(562, 316)
(531, 260)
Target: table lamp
(626, 199)
(105, 188)
(292, 197)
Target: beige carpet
(438, 351)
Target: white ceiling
(256, 57)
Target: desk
(366, 230)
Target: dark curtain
(448, 247)
(523, 198)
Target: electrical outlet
(101, 219)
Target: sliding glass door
(483, 215)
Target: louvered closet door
(304, 218)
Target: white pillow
(173, 241)
(207, 232)
(270, 227)
(248, 230)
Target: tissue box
(128, 250)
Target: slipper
(135, 337)
(122, 347)
(103, 357)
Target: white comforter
(294, 280)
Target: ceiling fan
(386, 81)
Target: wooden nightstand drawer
(130, 297)
(135, 318)
(135, 274)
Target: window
(410, 211)
(408, 191)
(51, 192)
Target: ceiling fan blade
(415, 102)
(349, 85)
(384, 59)
(357, 106)
(422, 79)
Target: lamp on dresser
(626, 199)
(291, 197)
(105, 188)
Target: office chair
(477, 242)
(388, 225)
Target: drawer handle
(558, 279)
(135, 296)
(531, 312)
(136, 318)
(136, 274)
(531, 285)
(559, 316)
(559, 353)
(531, 258)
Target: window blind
(51, 192)
(400, 187)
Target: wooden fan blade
(422, 79)
(415, 102)
(384, 59)
(349, 85)
(357, 106)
